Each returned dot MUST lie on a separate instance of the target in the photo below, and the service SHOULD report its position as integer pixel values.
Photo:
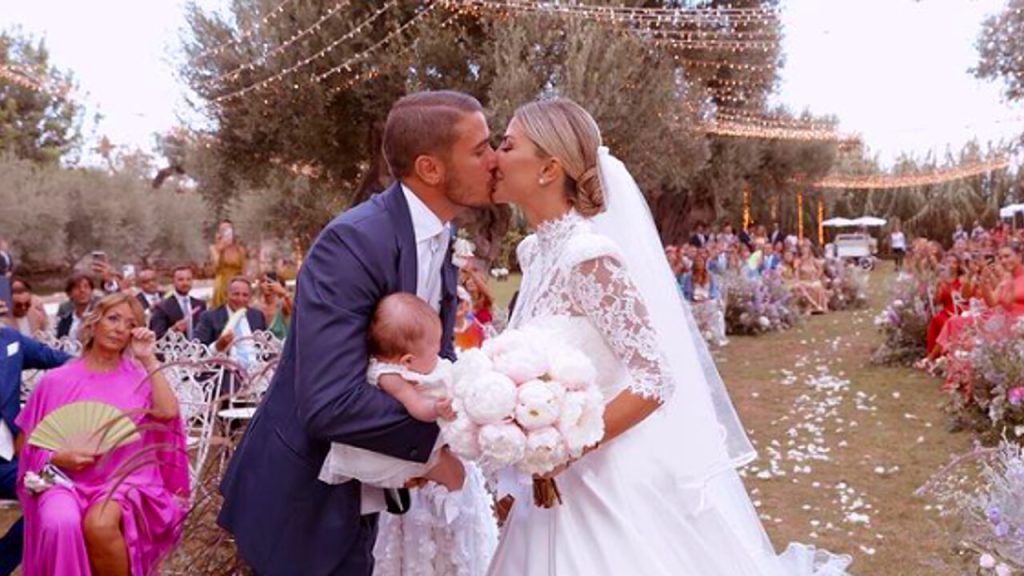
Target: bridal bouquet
(525, 400)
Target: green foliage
(55, 216)
(1001, 50)
(42, 125)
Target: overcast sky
(894, 71)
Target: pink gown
(154, 498)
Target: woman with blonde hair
(659, 495)
(120, 512)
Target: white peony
(489, 399)
(1003, 570)
(573, 369)
(471, 365)
(539, 404)
(502, 444)
(897, 303)
(582, 420)
(545, 450)
(764, 322)
(522, 365)
(987, 561)
(462, 435)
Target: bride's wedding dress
(664, 498)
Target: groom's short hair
(423, 123)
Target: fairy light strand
(235, 72)
(891, 182)
(218, 49)
(279, 76)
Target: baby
(404, 343)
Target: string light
(774, 133)
(625, 13)
(375, 72)
(306, 61)
(245, 33)
(347, 65)
(726, 64)
(20, 77)
(235, 72)
(888, 182)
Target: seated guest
(212, 323)
(947, 294)
(27, 315)
(483, 301)
(745, 260)
(179, 311)
(122, 510)
(469, 333)
(276, 304)
(79, 289)
(701, 292)
(772, 257)
(18, 352)
(810, 284)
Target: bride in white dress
(660, 495)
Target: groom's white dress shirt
(432, 238)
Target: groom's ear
(429, 169)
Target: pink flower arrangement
(524, 400)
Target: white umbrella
(869, 221)
(838, 222)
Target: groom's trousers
(360, 562)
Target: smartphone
(5, 295)
(99, 256)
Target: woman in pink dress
(123, 510)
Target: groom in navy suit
(285, 521)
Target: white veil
(698, 433)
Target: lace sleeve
(600, 288)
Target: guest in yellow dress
(229, 258)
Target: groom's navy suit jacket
(285, 521)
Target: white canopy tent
(1011, 210)
(853, 223)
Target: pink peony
(489, 399)
(462, 435)
(539, 404)
(573, 369)
(502, 444)
(545, 450)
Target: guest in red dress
(947, 295)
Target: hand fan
(233, 321)
(86, 427)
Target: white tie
(434, 277)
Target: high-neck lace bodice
(574, 283)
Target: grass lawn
(853, 440)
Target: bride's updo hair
(563, 129)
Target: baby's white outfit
(344, 462)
